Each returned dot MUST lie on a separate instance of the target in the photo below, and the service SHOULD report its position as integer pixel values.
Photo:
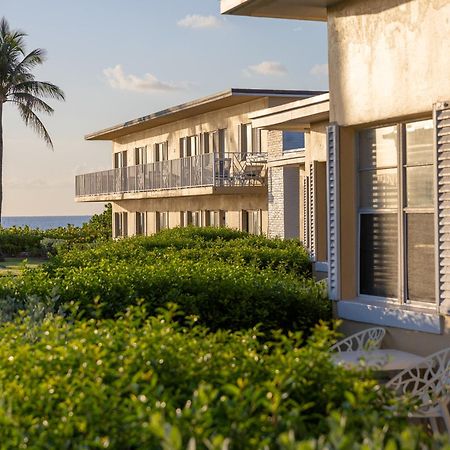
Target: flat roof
(203, 105)
(281, 9)
(294, 115)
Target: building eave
(230, 97)
(293, 115)
(281, 9)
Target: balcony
(209, 170)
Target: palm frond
(34, 103)
(14, 38)
(32, 120)
(35, 58)
(40, 89)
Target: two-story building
(388, 161)
(200, 163)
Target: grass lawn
(13, 266)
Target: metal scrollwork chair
(369, 339)
(429, 383)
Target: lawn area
(13, 266)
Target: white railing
(210, 169)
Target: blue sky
(119, 60)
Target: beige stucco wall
(387, 58)
(232, 204)
(229, 118)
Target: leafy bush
(230, 280)
(140, 382)
(36, 242)
(222, 295)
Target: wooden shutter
(442, 221)
(333, 211)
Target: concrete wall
(388, 58)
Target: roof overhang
(281, 9)
(214, 102)
(297, 115)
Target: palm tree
(18, 86)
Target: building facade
(388, 147)
(200, 163)
(297, 173)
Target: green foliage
(139, 382)
(36, 242)
(229, 280)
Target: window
(249, 140)
(205, 142)
(141, 223)
(120, 159)
(120, 224)
(188, 146)
(196, 219)
(161, 151)
(396, 214)
(215, 218)
(293, 140)
(186, 218)
(162, 220)
(140, 155)
(251, 221)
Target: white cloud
(197, 21)
(266, 68)
(319, 70)
(117, 79)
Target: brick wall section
(274, 144)
(276, 202)
(275, 186)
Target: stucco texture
(388, 59)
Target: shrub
(36, 242)
(222, 295)
(140, 382)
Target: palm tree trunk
(1, 159)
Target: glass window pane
(419, 186)
(421, 262)
(293, 140)
(419, 142)
(378, 147)
(378, 255)
(378, 188)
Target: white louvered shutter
(333, 211)
(442, 127)
(305, 204)
(312, 212)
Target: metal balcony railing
(210, 169)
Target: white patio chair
(429, 383)
(369, 339)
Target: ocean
(44, 222)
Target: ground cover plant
(229, 279)
(147, 382)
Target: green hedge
(36, 242)
(222, 295)
(138, 382)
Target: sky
(118, 60)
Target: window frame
(402, 210)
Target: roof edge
(103, 133)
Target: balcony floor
(174, 193)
